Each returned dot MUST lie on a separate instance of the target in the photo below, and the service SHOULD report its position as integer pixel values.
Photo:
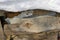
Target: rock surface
(35, 24)
(47, 35)
(1, 33)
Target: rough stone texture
(1, 33)
(59, 35)
(35, 12)
(52, 35)
(36, 24)
(34, 29)
(47, 35)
